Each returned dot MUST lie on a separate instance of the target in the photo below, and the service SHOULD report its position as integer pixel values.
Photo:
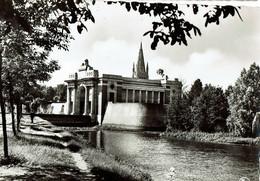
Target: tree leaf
(73, 17)
(141, 8)
(195, 8)
(154, 43)
(134, 5)
(127, 6)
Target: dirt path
(80, 162)
(6, 171)
(43, 128)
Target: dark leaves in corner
(213, 16)
(172, 27)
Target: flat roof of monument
(137, 80)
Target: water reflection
(192, 161)
(95, 138)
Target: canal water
(190, 160)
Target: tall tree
(210, 110)
(243, 101)
(2, 51)
(195, 91)
(22, 73)
(178, 115)
(61, 92)
(46, 25)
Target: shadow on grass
(53, 173)
(11, 160)
(71, 143)
(109, 175)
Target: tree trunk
(12, 113)
(3, 110)
(13, 119)
(11, 97)
(18, 114)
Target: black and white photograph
(129, 90)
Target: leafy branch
(172, 28)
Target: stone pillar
(126, 95)
(152, 96)
(140, 96)
(133, 95)
(93, 103)
(98, 139)
(86, 100)
(75, 101)
(92, 99)
(68, 100)
(164, 97)
(159, 97)
(146, 96)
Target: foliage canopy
(171, 27)
(243, 99)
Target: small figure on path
(33, 106)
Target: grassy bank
(31, 160)
(44, 153)
(29, 150)
(224, 138)
(48, 148)
(112, 167)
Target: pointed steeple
(133, 73)
(140, 62)
(140, 66)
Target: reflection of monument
(89, 94)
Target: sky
(112, 44)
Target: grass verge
(225, 138)
(112, 167)
(28, 150)
(45, 152)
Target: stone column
(158, 97)
(146, 96)
(126, 95)
(152, 96)
(91, 106)
(86, 100)
(93, 103)
(75, 101)
(164, 97)
(98, 139)
(140, 96)
(133, 95)
(68, 100)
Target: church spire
(133, 73)
(140, 62)
(140, 66)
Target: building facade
(89, 94)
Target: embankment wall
(68, 120)
(135, 116)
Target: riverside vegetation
(220, 137)
(43, 151)
(210, 114)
